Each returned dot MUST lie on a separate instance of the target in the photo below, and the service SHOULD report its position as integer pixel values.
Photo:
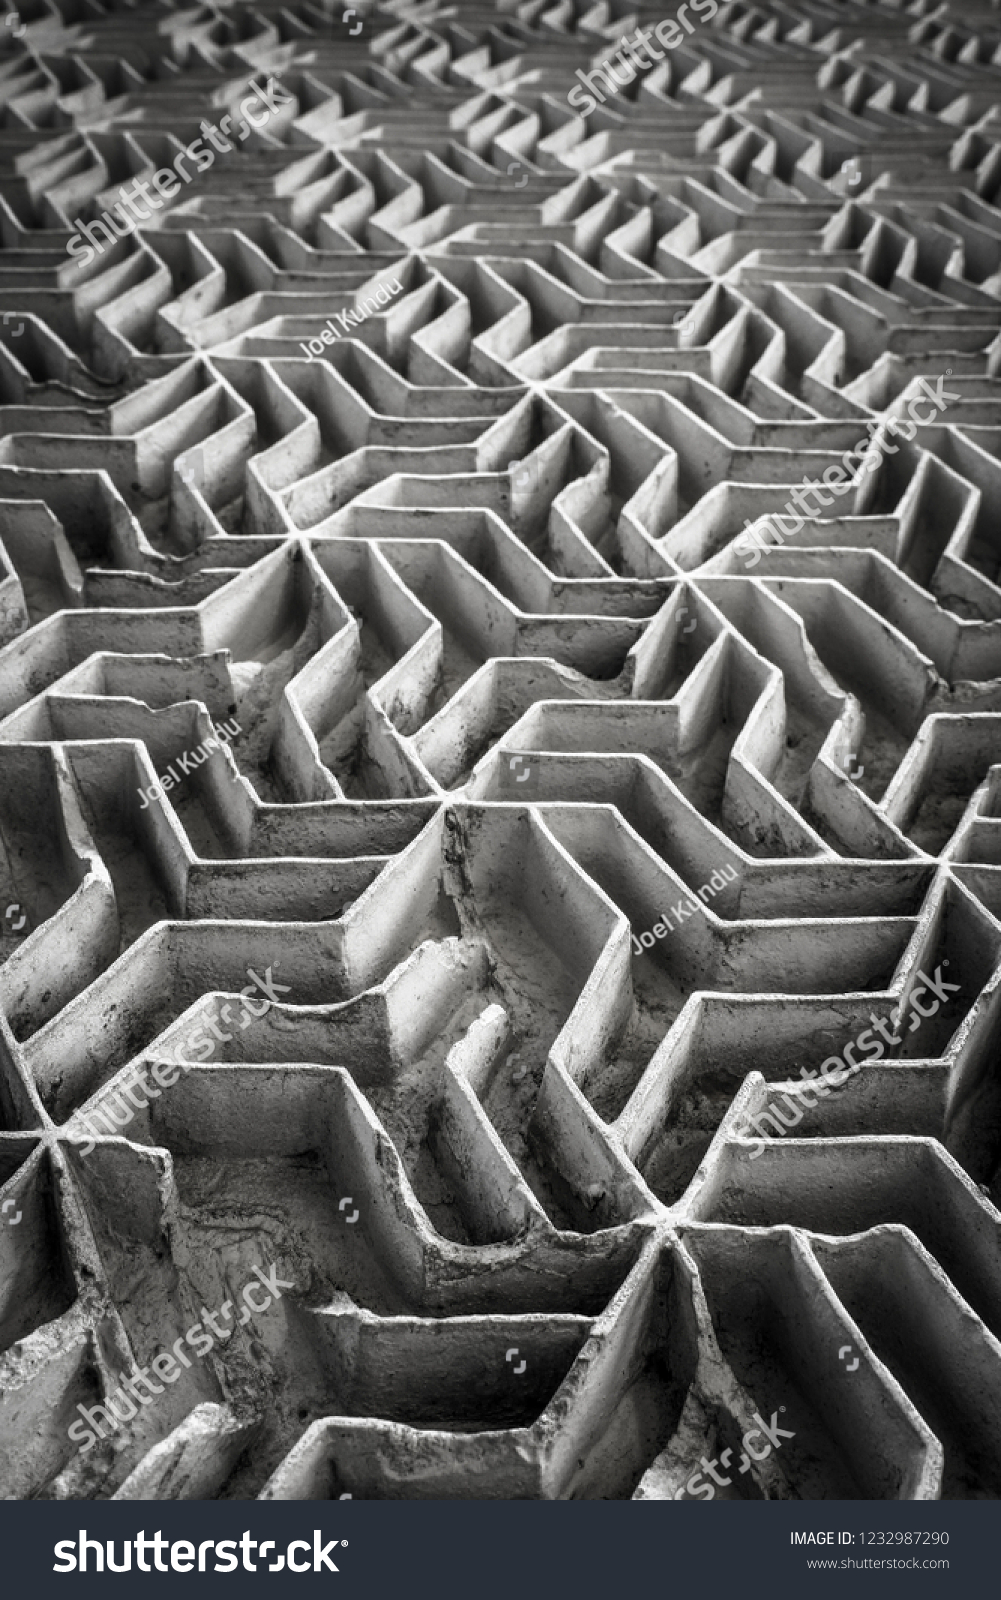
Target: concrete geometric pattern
(450, 817)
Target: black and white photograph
(500, 796)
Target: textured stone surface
(503, 684)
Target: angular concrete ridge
(500, 681)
